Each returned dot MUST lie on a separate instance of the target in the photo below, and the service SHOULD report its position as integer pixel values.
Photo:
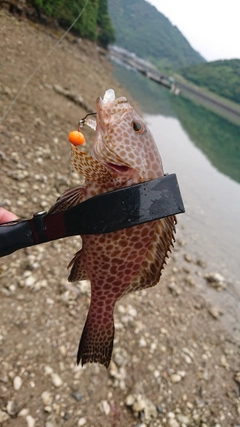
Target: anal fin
(78, 271)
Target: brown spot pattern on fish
(124, 153)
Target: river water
(204, 151)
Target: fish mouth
(122, 169)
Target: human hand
(6, 216)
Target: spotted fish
(124, 153)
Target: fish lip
(105, 117)
(119, 169)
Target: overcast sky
(212, 27)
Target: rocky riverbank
(173, 364)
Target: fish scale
(124, 153)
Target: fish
(116, 263)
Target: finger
(6, 216)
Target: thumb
(6, 216)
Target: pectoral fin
(70, 198)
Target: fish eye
(136, 126)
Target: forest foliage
(95, 23)
(141, 28)
(221, 77)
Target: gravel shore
(174, 364)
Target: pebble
(175, 378)
(172, 422)
(142, 342)
(188, 360)
(120, 356)
(216, 281)
(201, 263)
(30, 280)
(3, 416)
(30, 421)
(142, 405)
(63, 350)
(77, 396)
(48, 370)
(46, 397)
(174, 289)
(17, 383)
(188, 258)
(129, 401)
(183, 419)
(215, 312)
(189, 280)
(237, 377)
(82, 421)
(104, 407)
(23, 413)
(56, 380)
(12, 407)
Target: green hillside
(221, 77)
(95, 23)
(140, 28)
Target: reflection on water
(216, 137)
(152, 98)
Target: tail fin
(96, 342)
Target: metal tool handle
(104, 213)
